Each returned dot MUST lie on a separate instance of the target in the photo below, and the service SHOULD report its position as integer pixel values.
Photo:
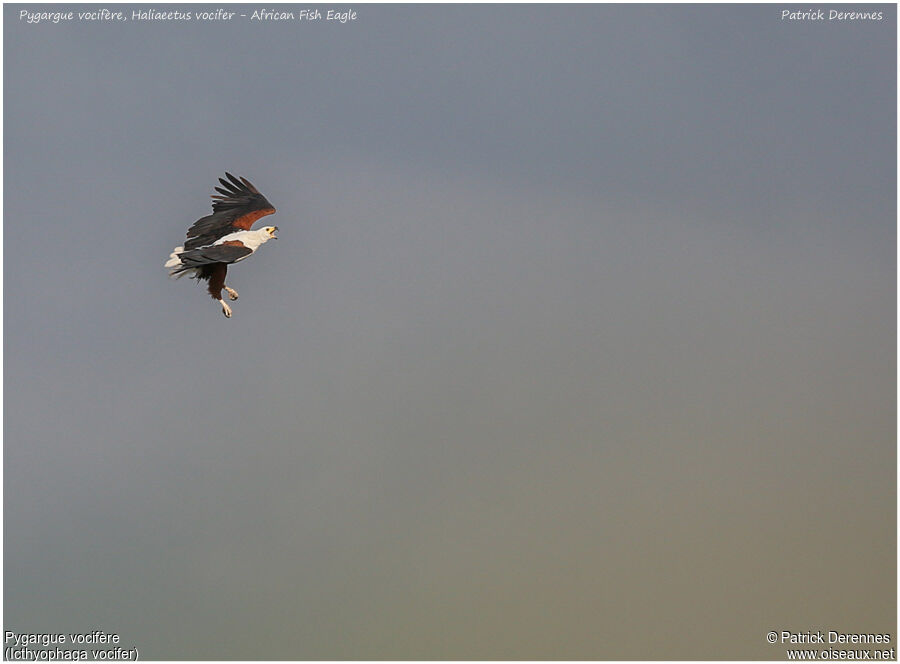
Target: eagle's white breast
(250, 239)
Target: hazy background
(578, 342)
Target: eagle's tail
(177, 269)
(174, 258)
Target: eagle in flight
(223, 237)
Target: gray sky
(578, 342)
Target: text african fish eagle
(223, 237)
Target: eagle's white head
(270, 232)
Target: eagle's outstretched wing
(238, 205)
(220, 253)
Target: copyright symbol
(772, 637)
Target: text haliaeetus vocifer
(223, 237)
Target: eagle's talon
(232, 294)
(226, 309)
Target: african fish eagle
(223, 237)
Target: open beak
(274, 230)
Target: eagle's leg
(217, 283)
(232, 294)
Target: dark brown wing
(235, 208)
(237, 196)
(220, 253)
